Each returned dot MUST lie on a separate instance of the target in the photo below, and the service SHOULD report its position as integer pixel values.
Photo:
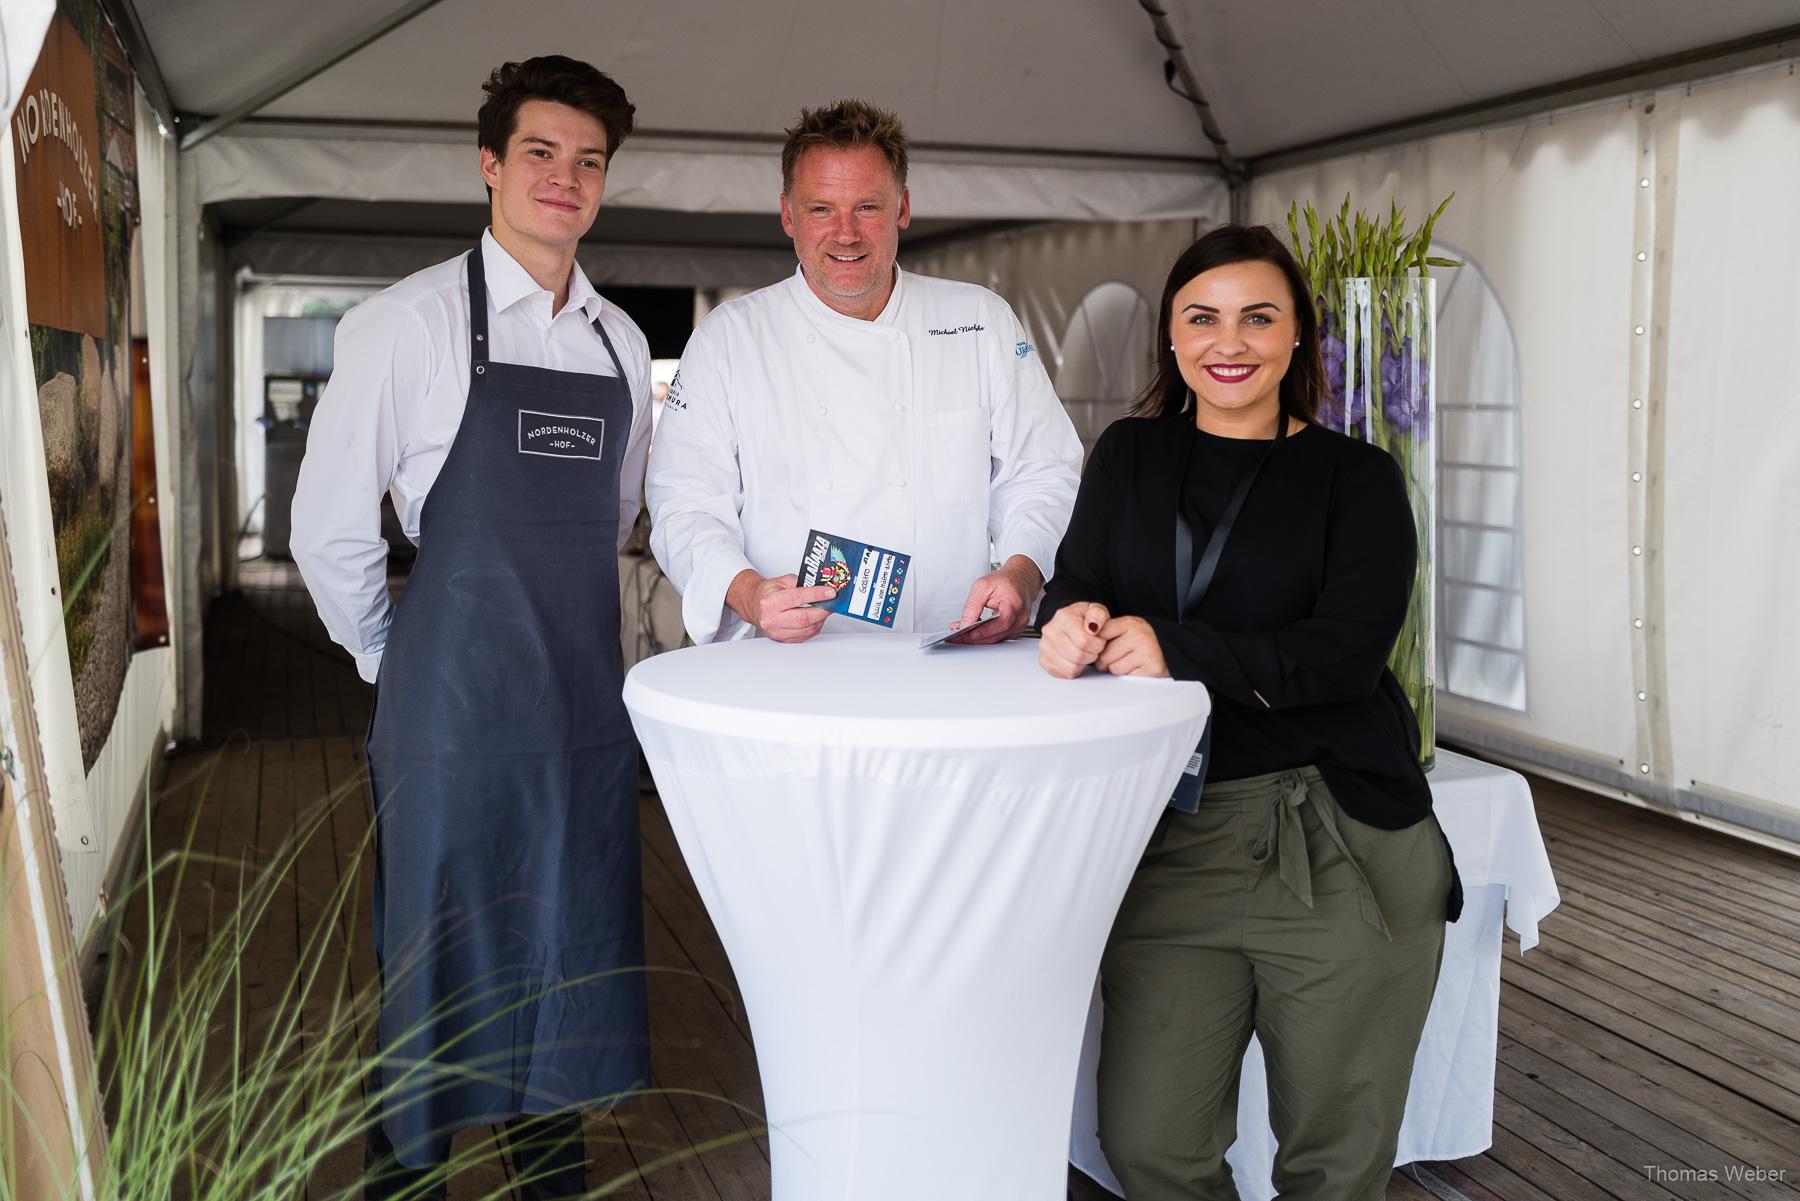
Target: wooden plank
(1729, 861)
(1641, 882)
(1482, 1178)
(1706, 983)
(1661, 939)
(1646, 1137)
(1623, 859)
(1585, 892)
(699, 1047)
(1611, 819)
(1402, 1187)
(1769, 1054)
(1739, 1127)
(1569, 1169)
(1614, 1156)
(687, 920)
(1608, 1006)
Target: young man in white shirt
(505, 407)
(896, 409)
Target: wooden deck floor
(1650, 1046)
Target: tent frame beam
(1179, 66)
(124, 16)
(1720, 58)
(287, 82)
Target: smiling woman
(1309, 865)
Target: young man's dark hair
(556, 78)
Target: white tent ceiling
(1020, 110)
(1082, 77)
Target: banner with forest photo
(75, 155)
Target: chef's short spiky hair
(845, 126)
(556, 78)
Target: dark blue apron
(508, 903)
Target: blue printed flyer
(868, 578)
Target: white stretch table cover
(1487, 815)
(913, 860)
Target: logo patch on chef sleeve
(1021, 349)
(561, 436)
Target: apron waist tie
(1283, 838)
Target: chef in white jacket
(895, 409)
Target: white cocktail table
(913, 860)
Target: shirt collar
(889, 315)
(508, 282)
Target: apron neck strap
(478, 319)
(478, 322)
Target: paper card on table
(941, 636)
(868, 578)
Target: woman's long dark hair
(1304, 382)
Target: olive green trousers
(1269, 911)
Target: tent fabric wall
(691, 176)
(1730, 461)
(1660, 461)
(1045, 272)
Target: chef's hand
(1071, 640)
(776, 607)
(1132, 649)
(1012, 589)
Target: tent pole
(124, 16)
(1180, 66)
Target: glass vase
(1379, 338)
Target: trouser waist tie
(1283, 839)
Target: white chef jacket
(926, 431)
(385, 422)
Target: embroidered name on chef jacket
(561, 436)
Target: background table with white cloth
(913, 859)
(1487, 815)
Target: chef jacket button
(823, 410)
(812, 337)
(899, 408)
(900, 482)
(827, 485)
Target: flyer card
(942, 637)
(868, 578)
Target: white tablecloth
(913, 860)
(1487, 815)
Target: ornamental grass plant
(217, 1085)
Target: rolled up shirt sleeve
(1035, 452)
(695, 490)
(382, 365)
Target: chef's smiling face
(845, 212)
(548, 187)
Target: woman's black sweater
(1310, 592)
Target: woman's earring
(1171, 346)
(1296, 341)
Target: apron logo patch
(561, 436)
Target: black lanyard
(1192, 583)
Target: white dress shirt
(385, 422)
(926, 431)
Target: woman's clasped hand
(1083, 635)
